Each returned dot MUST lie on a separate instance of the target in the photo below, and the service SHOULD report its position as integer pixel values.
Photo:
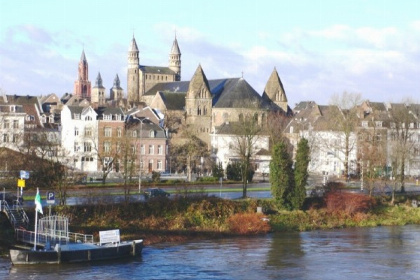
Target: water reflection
(365, 253)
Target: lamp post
(141, 137)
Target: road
(114, 195)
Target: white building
(79, 127)
(225, 148)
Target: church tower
(198, 105)
(98, 92)
(133, 83)
(82, 84)
(275, 92)
(116, 92)
(175, 60)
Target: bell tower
(82, 86)
(133, 76)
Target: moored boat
(77, 252)
(54, 244)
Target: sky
(319, 48)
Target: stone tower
(175, 60)
(116, 92)
(133, 83)
(82, 85)
(198, 105)
(274, 90)
(98, 91)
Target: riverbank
(201, 217)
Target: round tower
(133, 85)
(175, 60)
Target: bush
(350, 203)
(248, 223)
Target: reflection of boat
(54, 244)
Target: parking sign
(50, 198)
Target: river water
(356, 253)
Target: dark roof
(237, 93)
(174, 100)
(156, 70)
(227, 93)
(109, 111)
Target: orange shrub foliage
(350, 203)
(248, 223)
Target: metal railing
(52, 237)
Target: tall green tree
(298, 194)
(281, 174)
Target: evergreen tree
(281, 174)
(298, 194)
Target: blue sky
(319, 48)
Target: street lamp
(140, 163)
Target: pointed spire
(98, 82)
(175, 47)
(133, 45)
(197, 81)
(117, 81)
(274, 90)
(83, 56)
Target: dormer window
(152, 134)
(77, 116)
(88, 118)
(107, 117)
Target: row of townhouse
(374, 135)
(88, 139)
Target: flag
(38, 205)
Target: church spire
(175, 59)
(82, 86)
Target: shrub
(350, 203)
(248, 223)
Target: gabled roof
(231, 88)
(156, 70)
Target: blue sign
(24, 174)
(50, 198)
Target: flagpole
(36, 228)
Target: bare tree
(403, 117)
(345, 121)
(247, 133)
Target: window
(5, 138)
(76, 131)
(160, 150)
(119, 132)
(108, 131)
(134, 133)
(151, 149)
(118, 147)
(6, 124)
(87, 147)
(133, 149)
(77, 116)
(15, 138)
(365, 124)
(152, 133)
(88, 131)
(76, 146)
(378, 124)
(142, 149)
(107, 147)
(88, 118)
(107, 117)
(159, 165)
